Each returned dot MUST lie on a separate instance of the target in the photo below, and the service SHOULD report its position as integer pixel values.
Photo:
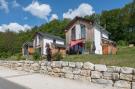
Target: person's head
(47, 45)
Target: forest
(119, 22)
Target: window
(54, 40)
(83, 31)
(73, 33)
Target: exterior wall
(89, 32)
(49, 41)
(97, 40)
(37, 42)
(117, 77)
(31, 50)
(61, 50)
(68, 35)
(111, 49)
(41, 43)
(45, 41)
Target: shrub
(88, 46)
(122, 43)
(36, 56)
(57, 56)
(19, 56)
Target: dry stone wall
(119, 77)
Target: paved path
(38, 81)
(5, 84)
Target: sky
(19, 15)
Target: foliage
(57, 56)
(19, 56)
(88, 45)
(36, 56)
(122, 43)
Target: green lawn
(124, 57)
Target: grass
(124, 57)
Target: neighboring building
(80, 30)
(42, 39)
(27, 49)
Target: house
(80, 31)
(27, 48)
(42, 39)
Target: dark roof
(108, 40)
(76, 19)
(59, 45)
(102, 29)
(30, 44)
(50, 36)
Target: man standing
(48, 52)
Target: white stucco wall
(78, 31)
(97, 39)
(37, 37)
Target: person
(48, 52)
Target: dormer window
(54, 40)
(83, 31)
(73, 33)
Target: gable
(78, 20)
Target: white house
(42, 39)
(81, 30)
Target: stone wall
(119, 77)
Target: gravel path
(39, 81)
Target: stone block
(96, 74)
(67, 70)
(65, 64)
(76, 71)
(126, 70)
(69, 75)
(88, 66)
(72, 64)
(56, 70)
(113, 69)
(79, 65)
(107, 75)
(35, 67)
(122, 84)
(99, 67)
(49, 68)
(115, 76)
(55, 64)
(85, 72)
(127, 77)
(103, 81)
(76, 77)
(84, 78)
(133, 85)
(43, 68)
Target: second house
(42, 39)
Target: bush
(19, 56)
(122, 43)
(57, 56)
(36, 56)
